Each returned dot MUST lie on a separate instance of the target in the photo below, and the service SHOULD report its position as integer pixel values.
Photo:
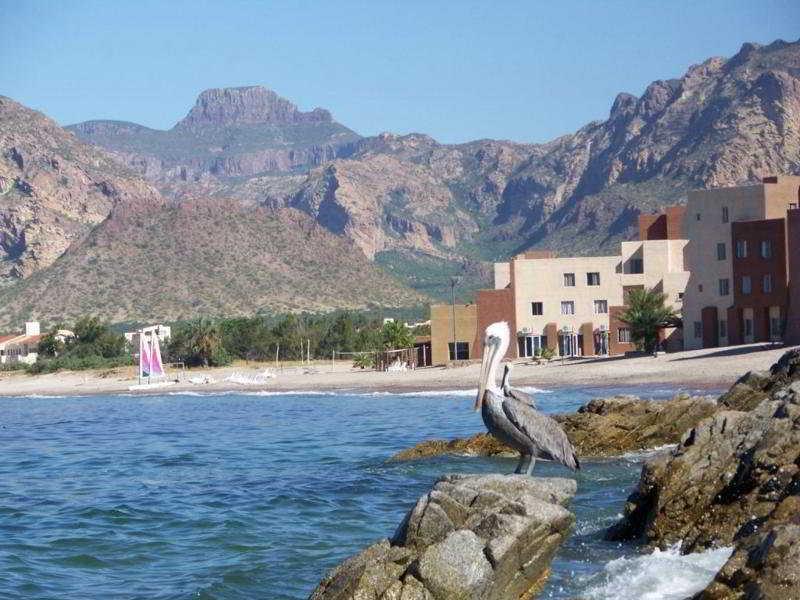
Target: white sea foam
(649, 452)
(661, 575)
(436, 393)
(253, 393)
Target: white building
(21, 347)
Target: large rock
(733, 480)
(602, 427)
(470, 537)
(623, 424)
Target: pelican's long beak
(489, 350)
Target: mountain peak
(247, 105)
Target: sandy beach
(710, 368)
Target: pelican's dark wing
(546, 433)
(523, 397)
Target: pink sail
(156, 366)
(144, 356)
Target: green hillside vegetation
(202, 258)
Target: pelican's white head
(495, 344)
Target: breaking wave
(661, 575)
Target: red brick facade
(792, 336)
(760, 265)
(493, 306)
(664, 226)
(614, 345)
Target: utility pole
(453, 281)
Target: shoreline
(710, 369)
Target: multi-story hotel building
(728, 263)
(571, 305)
(743, 244)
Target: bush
(78, 363)
(547, 353)
(363, 361)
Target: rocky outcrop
(229, 133)
(734, 479)
(470, 537)
(602, 427)
(246, 105)
(614, 426)
(53, 190)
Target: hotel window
(721, 252)
(601, 307)
(725, 216)
(697, 216)
(774, 327)
(766, 284)
(766, 248)
(568, 307)
(741, 248)
(593, 279)
(636, 266)
(724, 287)
(698, 329)
(462, 351)
(723, 328)
(747, 284)
(537, 309)
(569, 279)
(624, 335)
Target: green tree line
(206, 342)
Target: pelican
(510, 392)
(515, 422)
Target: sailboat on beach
(151, 367)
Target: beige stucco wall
(744, 203)
(542, 280)
(502, 275)
(466, 319)
(663, 267)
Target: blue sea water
(245, 495)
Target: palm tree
(646, 314)
(396, 335)
(204, 340)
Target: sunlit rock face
(470, 537)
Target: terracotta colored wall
(735, 335)
(793, 244)
(710, 320)
(664, 226)
(493, 306)
(756, 267)
(587, 331)
(551, 331)
(614, 345)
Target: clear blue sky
(526, 71)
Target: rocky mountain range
(81, 233)
(421, 210)
(429, 210)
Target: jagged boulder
(602, 427)
(470, 537)
(734, 479)
(765, 564)
(614, 426)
